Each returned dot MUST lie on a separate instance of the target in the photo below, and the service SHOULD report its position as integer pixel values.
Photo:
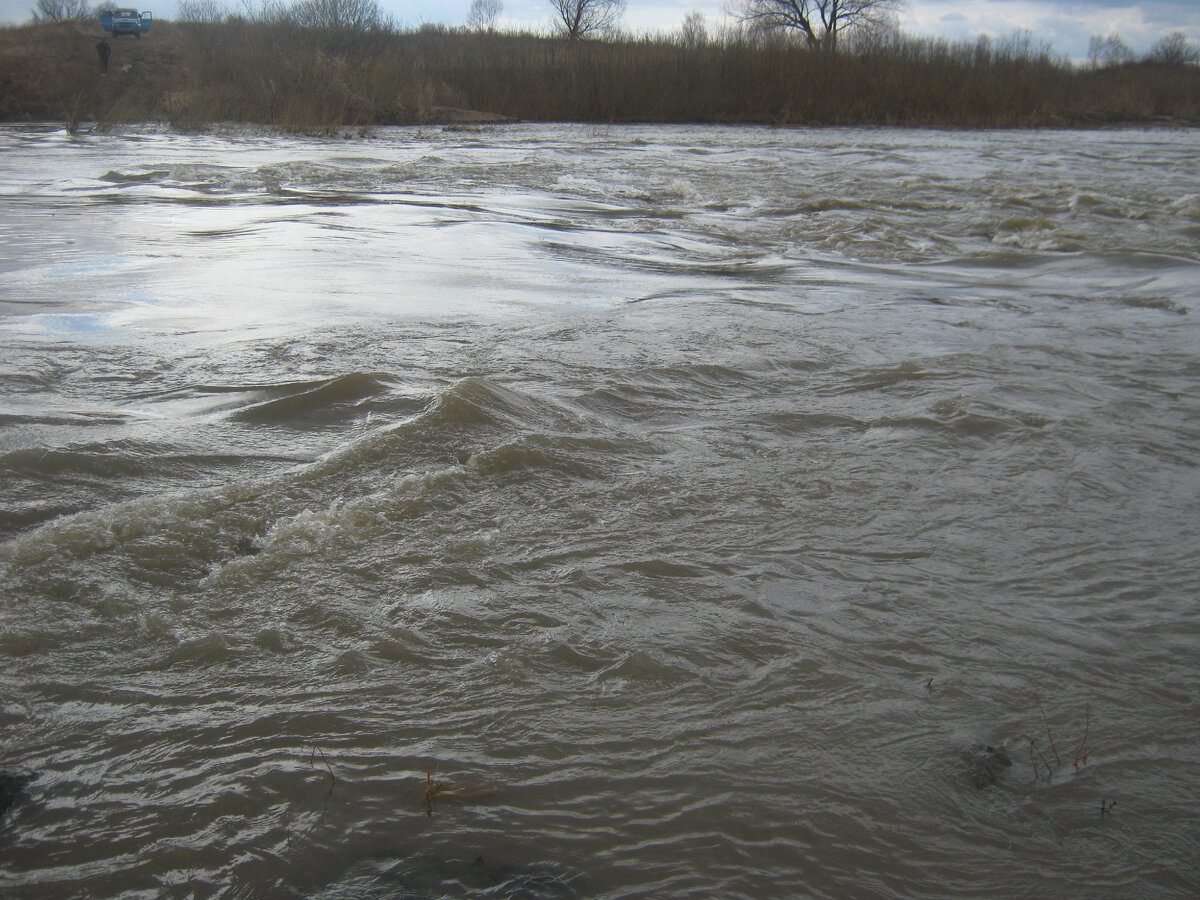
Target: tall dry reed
(305, 79)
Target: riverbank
(307, 80)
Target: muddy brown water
(698, 501)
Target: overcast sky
(1065, 24)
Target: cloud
(15, 11)
(1064, 24)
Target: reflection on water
(717, 509)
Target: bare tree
(584, 18)
(1108, 51)
(196, 11)
(820, 22)
(693, 32)
(337, 15)
(61, 10)
(483, 14)
(1175, 49)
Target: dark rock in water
(12, 785)
(246, 546)
(988, 764)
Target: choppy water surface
(701, 502)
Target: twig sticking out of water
(1106, 807)
(1034, 755)
(432, 788)
(1049, 735)
(312, 761)
(1081, 755)
(435, 789)
(1047, 769)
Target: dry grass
(277, 73)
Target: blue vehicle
(125, 21)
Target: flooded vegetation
(574, 511)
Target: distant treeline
(299, 77)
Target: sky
(1066, 25)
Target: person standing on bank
(103, 50)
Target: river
(602, 512)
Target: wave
(307, 399)
(648, 390)
(472, 432)
(122, 458)
(151, 176)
